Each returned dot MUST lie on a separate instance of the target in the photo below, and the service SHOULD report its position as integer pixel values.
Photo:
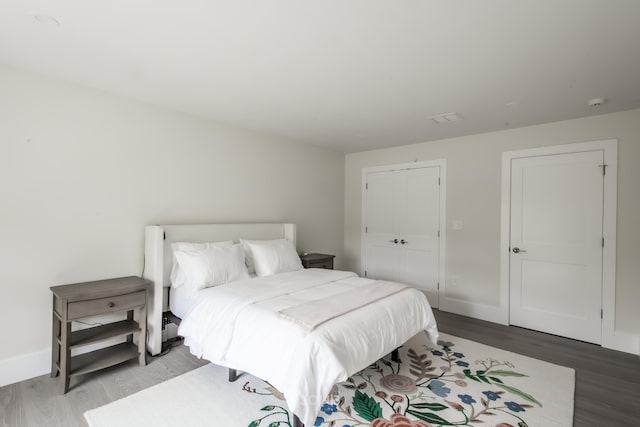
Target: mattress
(237, 325)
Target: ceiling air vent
(446, 118)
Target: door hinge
(604, 169)
(438, 286)
(366, 186)
(365, 273)
(601, 313)
(164, 235)
(603, 242)
(438, 181)
(366, 229)
(438, 233)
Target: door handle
(517, 250)
(404, 242)
(393, 241)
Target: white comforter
(236, 326)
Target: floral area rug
(454, 383)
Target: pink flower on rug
(454, 405)
(398, 420)
(399, 383)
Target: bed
(301, 330)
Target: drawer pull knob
(111, 304)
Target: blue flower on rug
(414, 392)
(515, 407)
(491, 395)
(438, 388)
(329, 409)
(446, 345)
(465, 398)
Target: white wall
(474, 196)
(82, 173)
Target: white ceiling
(347, 74)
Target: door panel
(404, 206)
(421, 230)
(556, 222)
(382, 262)
(382, 225)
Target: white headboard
(158, 259)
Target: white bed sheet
(182, 299)
(236, 325)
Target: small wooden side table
(79, 300)
(317, 261)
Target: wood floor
(607, 382)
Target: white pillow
(177, 275)
(273, 256)
(247, 256)
(212, 266)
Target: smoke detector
(446, 118)
(596, 102)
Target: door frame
(610, 149)
(442, 164)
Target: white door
(556, 244)
(382, 256)
(421, 231)
(402, 228)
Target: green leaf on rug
(274, 424)
(520, 393)
(428, 417)
(430, 406)
(507, 373)
(268, 408)
(254, 423)
(468, 374)
(366, 406)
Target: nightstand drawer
(317, 261)
(105, 305)
(323, 264)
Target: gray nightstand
(80, 300)
(317, 261)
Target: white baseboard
(32, 365)
(622, 341)
(490, 313)
(24, 367)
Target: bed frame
(159, 257)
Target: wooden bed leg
(394, 355)
(296, 421)
(233, 375)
